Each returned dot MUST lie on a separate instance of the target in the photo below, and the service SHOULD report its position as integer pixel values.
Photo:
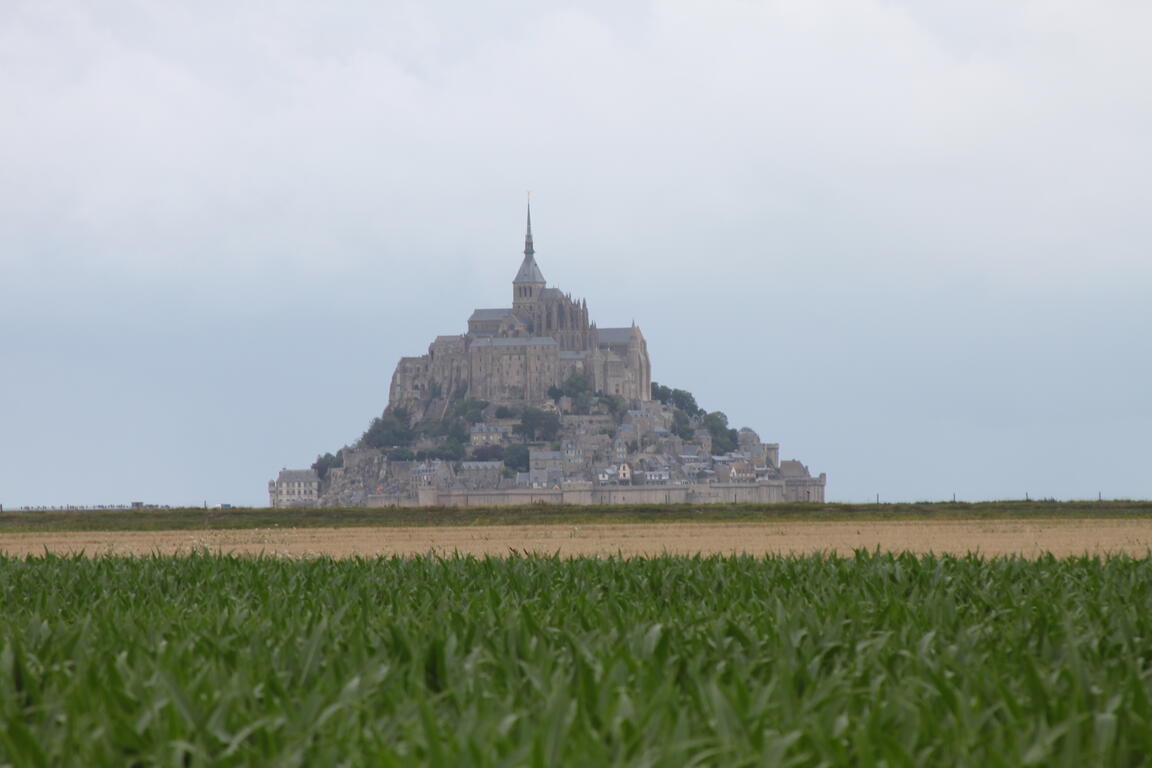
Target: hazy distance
(923, 232)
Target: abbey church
(515, 354)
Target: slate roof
(297, 476)
(529, 272)
(490, 314)
(792, 468)
(615, 335)
(531, 341)
(544, 455)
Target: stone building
(515, 354)
(479, 474)
(799, 485)
(293, 488)
(487, 434)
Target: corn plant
(875, 659)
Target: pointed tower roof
(529, 272)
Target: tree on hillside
(682, 425)
(686, 402)
(457, 431)
(470, 410)
(536, 424)
(389, 430)
(488, 453)
(582, 404)
(449, 451)
(724, 439)
(677, 398)
(516, 458)
(615, 404)
(577, 384)
(326, 462)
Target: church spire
(529, 282)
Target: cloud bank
(908, 240)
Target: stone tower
(529, 281)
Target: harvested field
(1029, 538)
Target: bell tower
(529, 281)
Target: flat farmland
(1028, 537)
(870, 659)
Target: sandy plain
(1029, 538)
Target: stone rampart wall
(719, 493)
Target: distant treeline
(196, 518)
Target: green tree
(686, 402)
(458, 431)
(614, 403)
(582, 403)
(576, 385)
(488, 453)
(401, 454)
(516, 458)
(536, 424)
(677, 398)
(326, 462)
(724, 439)
(389, 430)
(470, 410)
(450, 451)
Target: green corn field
(875, 659)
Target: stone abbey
(516, 354)
(535, 404)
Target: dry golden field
(1029, 538)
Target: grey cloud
(927, 223)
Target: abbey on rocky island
(533, 404)
(516, 354)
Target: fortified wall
(714, 493)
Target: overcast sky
(909, 241)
